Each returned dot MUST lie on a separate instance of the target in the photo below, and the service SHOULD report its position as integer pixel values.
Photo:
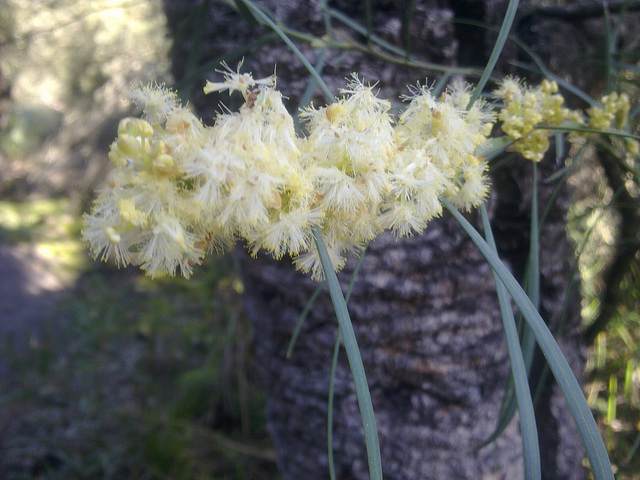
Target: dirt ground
(30, 291)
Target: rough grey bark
(425, 317)
(424, 308)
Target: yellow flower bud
(633, 147)
(116, 156)
(136, 127)
(129, 145)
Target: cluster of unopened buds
(180, 189)
(614, 112)
(529, 111)
(614, 115)
(526, 109)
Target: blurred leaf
(246, 13)
(196, 391)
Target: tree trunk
(425, 316)
(424, 309)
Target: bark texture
(424, 308)
(424, 311)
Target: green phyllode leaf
(596, 451)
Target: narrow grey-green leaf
(503, 36)
(355, 360)
(596, 451)
(302, 318)
(519, 373)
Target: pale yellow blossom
(527, 110)
(179, 189)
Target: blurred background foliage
(65, 65)
(105, 374)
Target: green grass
(613, 372)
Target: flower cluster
(614, 114)
(528, 108)
(147, 216)
(447, 134)
(180, 188)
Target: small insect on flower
(254, 95)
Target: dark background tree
(424, 308)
